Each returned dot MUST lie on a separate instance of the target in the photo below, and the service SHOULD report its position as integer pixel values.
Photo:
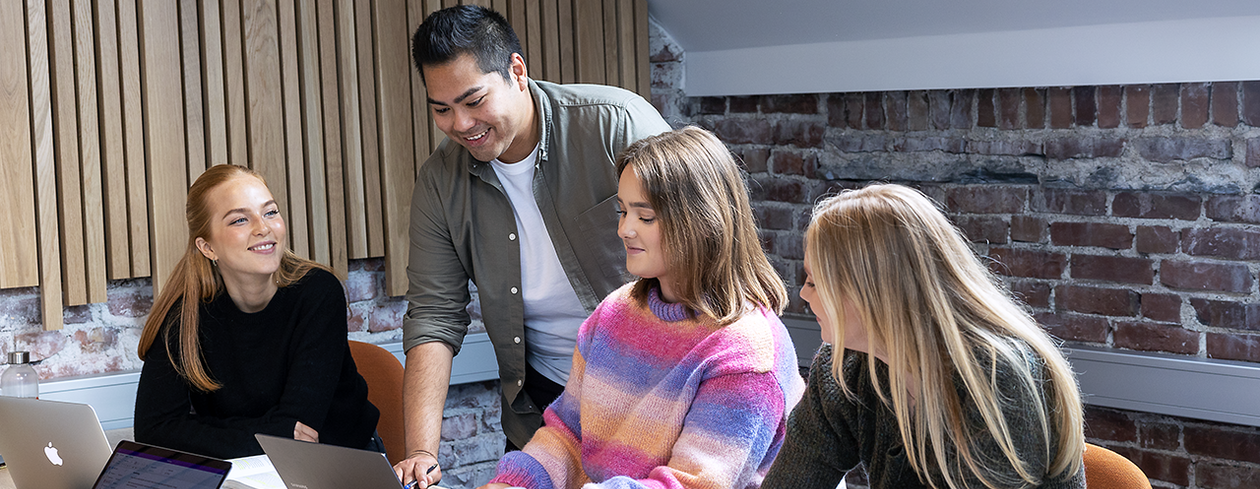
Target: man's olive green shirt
(463, 227)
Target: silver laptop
(320, 466)
(51, 444)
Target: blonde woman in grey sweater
(933, 376)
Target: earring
(214, 262)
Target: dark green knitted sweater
(830, 434)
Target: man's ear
(204, 247)
(520, 75)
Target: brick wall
(1124, 216)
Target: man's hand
(421, 467)
(305, 433)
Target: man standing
(519, 198)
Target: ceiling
(781, 32)
(710, 25)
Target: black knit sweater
(830, 434)
(287, 363)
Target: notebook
(51, 444)
(320, 466)
(136, 465)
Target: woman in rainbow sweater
(685, 377)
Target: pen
(412, 484)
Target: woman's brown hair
(697, 191)
(195, 281)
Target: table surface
(6, 480)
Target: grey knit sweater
(830, 434)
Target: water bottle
(20, 379)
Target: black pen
(412, 484)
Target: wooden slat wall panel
(416, 13)
(117, 248)
(92, 273)
(41, 135)
(567, 32)
(195, 124)
(133, 138)
(234, 82)
(295, 214)
(132, 99)
(368, 74)
(612, 70)
(332, 138)
(641, 50)
(164, 134)
(313, 125)
(394, 100)
(588, 23)
(212, 80)
(352, 131)
(625, 58)
(550, 68)
(61, 60)
(262, 88)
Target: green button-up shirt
(462, 227)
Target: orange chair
(384, 376)
(1105, 469)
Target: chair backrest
(384, 376)
(1105, 469)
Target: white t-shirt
(553, 312)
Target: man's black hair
(467, 29)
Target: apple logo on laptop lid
(51, 452)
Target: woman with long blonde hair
(246, 337)
(943, 381)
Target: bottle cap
(19, 357)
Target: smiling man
(520, 198)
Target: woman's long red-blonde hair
(195, 281)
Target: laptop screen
(134, 465)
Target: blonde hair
(697, 191)
(195, 281)
(935, 311)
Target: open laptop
(320, 466)
(51, 444)
(139, 465)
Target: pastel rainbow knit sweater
(660, 399)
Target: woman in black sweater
(246, 337)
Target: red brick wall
(1124, 216)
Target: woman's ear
(204, 247)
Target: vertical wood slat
(91, 275)
(550, 68)
(295, 214)
(368, 75)
(164, 134)
(212, 83)
(39, 136)
(133, 139)
(641, 51)
(588, 22)
(262, 94)
(435, 134)
(416, 12)
(612, 70)
(352, 135)
(332, 138)
(567, 33)
(533, 31)
(64, 103)
(194, 123)
(117, 248)
(394, 100)
(516, 17)
(313, 123)
(626, 57)
(234, 83)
